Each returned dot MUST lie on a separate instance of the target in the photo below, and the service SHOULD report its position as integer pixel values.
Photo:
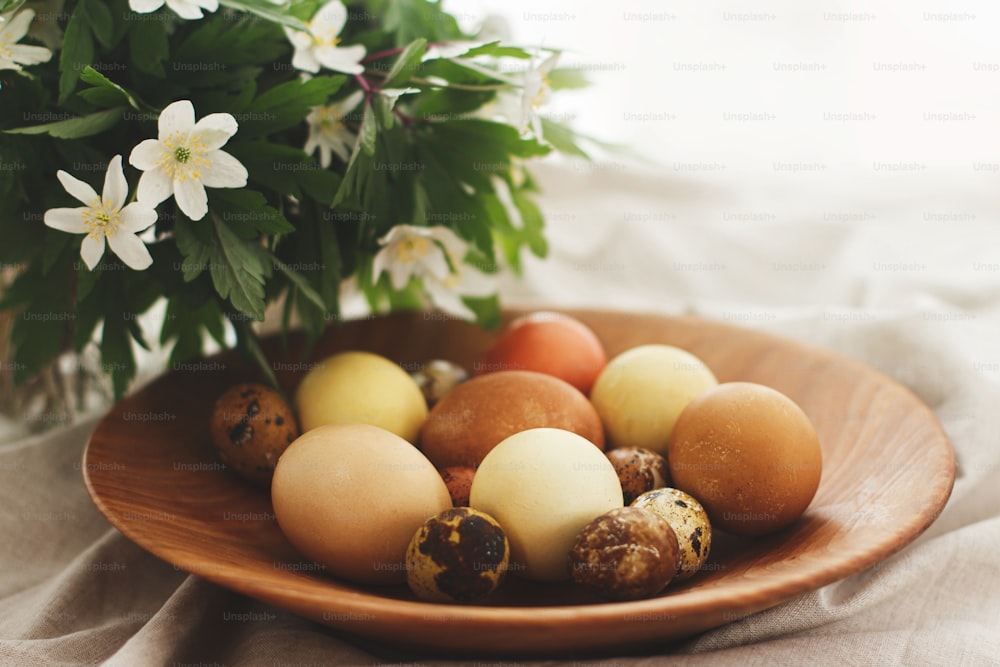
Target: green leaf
(532, 224)
(75, 128)
(266, 10)
(567, 79)
(562, 138)
(369, 130)
(237, 270)
(300, 283)
(406, 65)
(110, 89)
(248, 211)
(195, 251)
(320, 184)
(149, 46)
(116, 353)
(486, 309)
(286, 105)
(77, 52)
(100, 19)
(497, 50)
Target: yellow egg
(543, 486)
(641, 392)
(361, 388)
(350, 496)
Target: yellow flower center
(329, 123)
(325, 39)
(412, 249)
(101, 219)
(183, 156)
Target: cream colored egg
(543, 486)
(351, 496)
(361, 388)
(641, 392)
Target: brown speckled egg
(437, 377)
(458, 479)
(459, 555)
(690, 523)
(639, 470)
(251, 426)
(625, 554)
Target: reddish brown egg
(549, 343)
(749, 454)
(474, 416)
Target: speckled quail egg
(458, 555)
(690, 523)
(639, 470)
(625, 554)
(250, 427)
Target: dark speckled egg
(251, 426)
(690, 523)
(625, 554)
(459, 555)
(639, 470)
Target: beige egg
(351, 496)
(361, 388)
(543, 486)
(641, 392)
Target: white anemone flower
(535, 94)
(105, 217)
(186, 9)
(434, 255)
(318, 47)
(13, 27)
(186, 159)
(327, 131)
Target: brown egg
(251, 426)
(458, 479)
(625, 554)
(749, 454)
(473, 417)
(639, 470)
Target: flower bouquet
(213, 158)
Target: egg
(458, 479)
(550, 343)
(625, 554)
(473, 417)
(543, 486)
(361, 388)
(251, 425)
(437, 377)
(351, 496)
(690, 523)
(459, 555)
(641, 392)
(749, 454)
(639, 470)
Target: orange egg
(550, 343)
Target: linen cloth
(814, 181)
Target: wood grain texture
(888, 472)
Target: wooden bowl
(888, 471)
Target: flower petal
(18, 26)
(155, 186)
(447, 300)
(305, 60)
(144, 6)
(30, 55)
(208, 5)
(185, 9)
(115, 185)
(77, 188)
(146, 155)
(191, 197)
(91, 250)
(346, 59)
(136, 217)
(131, 250)
(346, 105)
(224, 171)
(332, 16)
(215, 129)
(176, 117)
(65, 219)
